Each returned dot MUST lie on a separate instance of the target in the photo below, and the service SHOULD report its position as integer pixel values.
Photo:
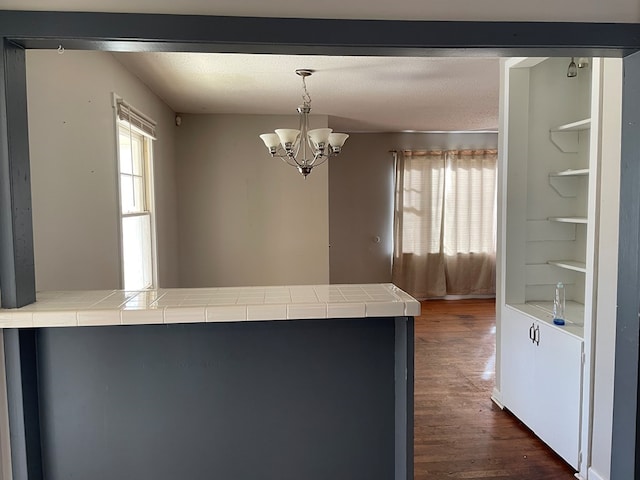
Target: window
(445, 222)
(448, 201)
(135, 159)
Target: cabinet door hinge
(583, 358)
(580, 457)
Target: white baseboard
(593, 475)
(496, 397)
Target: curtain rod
(442, 149)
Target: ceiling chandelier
(304, 149)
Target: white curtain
(445, 222)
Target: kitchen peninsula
(309, 382)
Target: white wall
(361, 199)
(72, 143)
(246, 218)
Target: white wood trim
(591, 275)
(496, 397)
(593, 475)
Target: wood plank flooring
(459, 432)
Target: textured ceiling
(359, 93)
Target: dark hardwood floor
(459, 432)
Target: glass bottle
(558, 304)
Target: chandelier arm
(323, 158)
(303, 140)
(282, 155)
(318, 155)
(289, 160)
(295, 163)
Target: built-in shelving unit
(558, 214)
(550, 158)
(550, 163)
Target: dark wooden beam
(155, 32)
(17, 274)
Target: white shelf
(543, 311)
(581, 220)
(567, 183)
(569, 265)
(579, 172)
(573, 311)
(577, 126)
(567, 137)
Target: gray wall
(306, 399)
(72, 142)
(246, 218)
(361, 199)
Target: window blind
(135, 119)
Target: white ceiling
(359, 93)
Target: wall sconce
(572, 71)
(583, 62)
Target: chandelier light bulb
(271, 140)
(320, 136)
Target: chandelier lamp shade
(304, 149)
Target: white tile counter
(197, 305)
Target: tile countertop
(195, 305)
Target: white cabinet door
(558, 383)
(518, 366)
(542, 380)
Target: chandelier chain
(306, 96)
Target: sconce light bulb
(572, 71)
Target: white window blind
(135, 120)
